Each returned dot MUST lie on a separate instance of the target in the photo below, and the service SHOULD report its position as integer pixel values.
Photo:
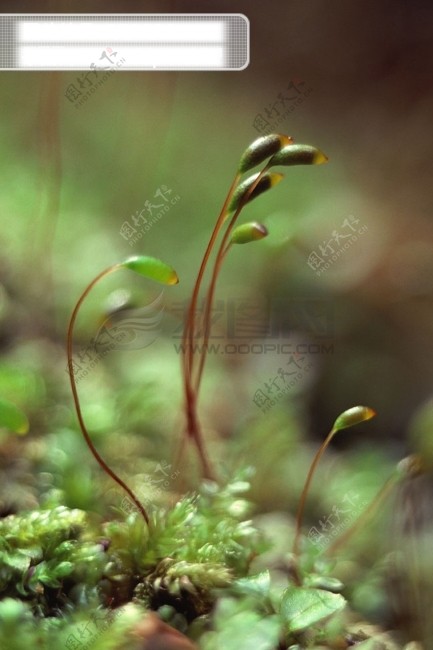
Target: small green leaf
(244, 630)
(353, 416)
(261, 149)
(257, 585)
(16, 561)
(302, 607)
(152, 268)
(12, 418)
(248, 232)
(268, 180)
(325, 582)
(298, 154)
(63, 569)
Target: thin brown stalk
(193, 428)
(222, 252)
(301, 506)
(83, 428)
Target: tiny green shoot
(352, 416)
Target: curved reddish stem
(187, 347)
(83, 428)
(222, 252)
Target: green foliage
(204, 542)
(59, 561)
(12, 418)
(302, 607)
(17, 626)
(99, 629)
(20, 385)
(239, 627)
(195, 556)
(211, 525)
(43, 550)
(152, 268)
(255, 614)
(63, 571)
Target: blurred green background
(71, 177)
(360, 73)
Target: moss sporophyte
(273, 150)
(196, 558)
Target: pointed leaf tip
(303, 607)
(153, 268)
(320, 158)
(262, 149)
(298, 154)
(248, 232)
(352, 416)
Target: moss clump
(57, 561)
